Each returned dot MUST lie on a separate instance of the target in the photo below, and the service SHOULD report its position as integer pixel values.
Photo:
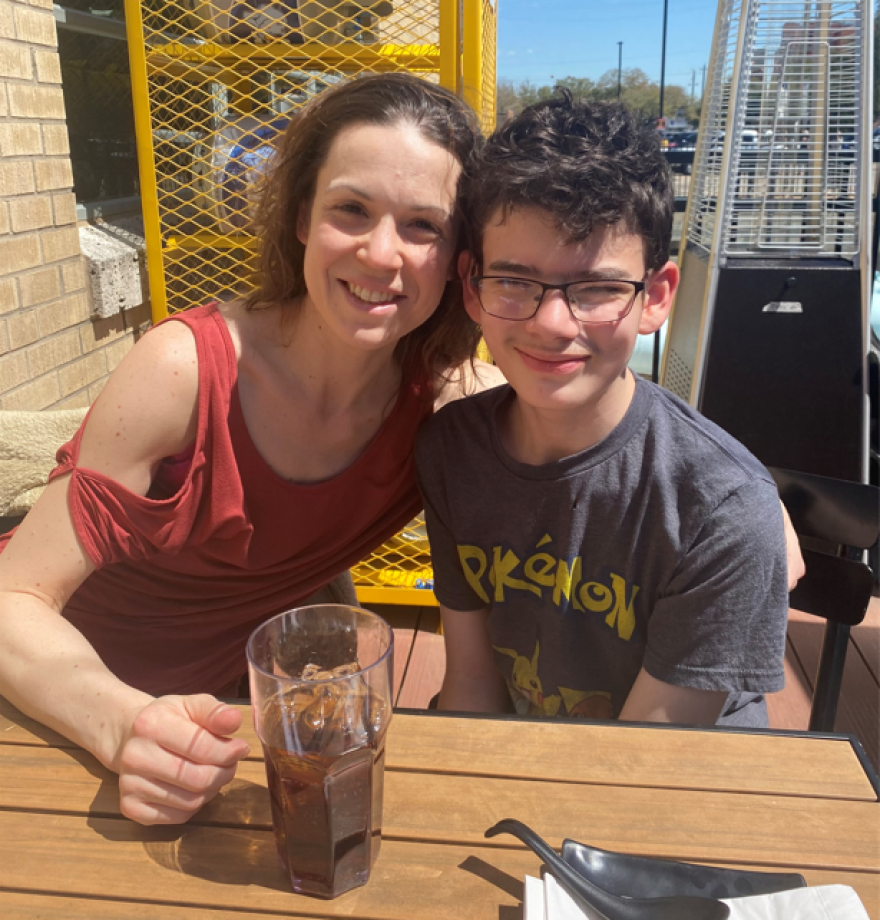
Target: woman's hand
(176, 757)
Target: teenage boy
(600, 549)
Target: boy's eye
(512, 285)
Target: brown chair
(837, 521)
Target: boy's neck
(536, 436)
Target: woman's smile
(371, 296)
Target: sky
(540, 40)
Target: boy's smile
(571, 379)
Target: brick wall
(52, 353)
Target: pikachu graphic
(525, 685)
(527, 692)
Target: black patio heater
(769, 333)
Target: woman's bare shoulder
(466, 380)
(147, 410)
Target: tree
(638, 91)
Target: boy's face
(553, 360)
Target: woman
(243, 455)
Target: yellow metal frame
(449, 41)
(140, 94)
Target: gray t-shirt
(662, 546)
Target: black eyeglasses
(589, 301)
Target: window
(97, 96)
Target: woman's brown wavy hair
(449, 337)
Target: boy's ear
(467, 267)
(659, 292)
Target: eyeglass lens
(590, 301)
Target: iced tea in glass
(321, 690)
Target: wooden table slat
(617, 754)
(458, 809)
(237, 869)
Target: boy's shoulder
(683, 437)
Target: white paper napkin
(547, 900)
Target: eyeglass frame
(639, 287)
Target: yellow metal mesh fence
(217, 82)
(488, 114)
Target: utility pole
(703, 84)
(693, 86)
(619, 66)
(663, 56)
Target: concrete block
(22, 139)
(22, 329)
(39, 287)
(114, 270)
(15, 61)
(19, 253)
(42, 4)
(4, 101)
(38, 394)
(53, 174)
(53, 353)
(55, 140)
(48, 66)
(60, 244)
(30, 212)
(8, 295)
(4, 218)
(64, 208)
(62, 314)
(16, 178)
(83, 372)
(4, 337)
(35, 26)
(28, 101)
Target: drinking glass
(320, 680)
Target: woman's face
(380, 235)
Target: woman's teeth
(370, 296)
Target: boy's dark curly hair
(585, 163)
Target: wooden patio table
(749, 799)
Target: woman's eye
(427, 227)
(350, 208)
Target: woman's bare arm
(170, 753)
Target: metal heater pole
(655, 363)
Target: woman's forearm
(52, 674)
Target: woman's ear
(660, 290)
(467, 268)
(302, 224)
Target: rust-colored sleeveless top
(221, 542)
